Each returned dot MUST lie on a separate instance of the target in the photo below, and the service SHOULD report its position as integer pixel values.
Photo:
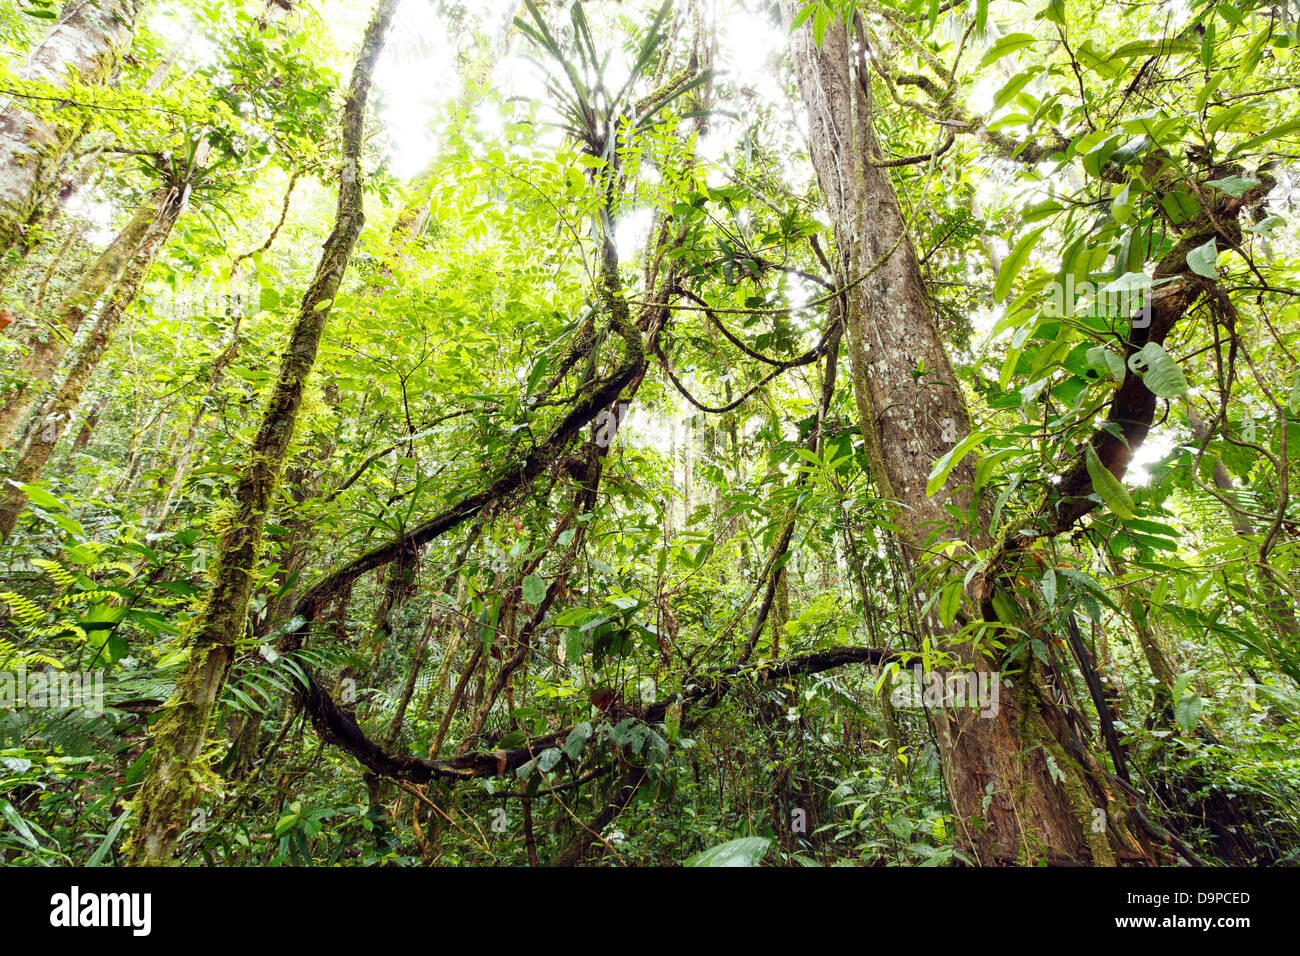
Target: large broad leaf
(1188, 712)
(1108, 486)
(1130, 283)
(1234, 185)
(950, 603)
(39, 497)
(1007, 44)
(1054, 11)
(1048, 585)
(577, 739)
(1101, 357)
(534, 589)
(1201, 260)
(944, 466)
(747, 851)
(1012, 265)
(1288, 128)
(1159, 371)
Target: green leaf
(69, 525)
(1005, 45)
(944, 465)
(39, 496)
(1014, 263)
(548, 758)
(534, 589)
(1048, 585)
(1101, 357)
(821, 20)
(1188, 712)
(1160, 373)
(102, 851)
(950, 603)
(799, 18)
(1265, 225)
(1235, 186)
(1128, 283)
(1154, 48)
(1269, 136)
(577, 739)
(747, 851)
(1201, 260)
(19, 824)
(1108, 486)
(1014, 86)
(535, 376)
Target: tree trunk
(177, 770)
(181, 468)
(1021, 788)
(43, 430)
(47, 346)
(85, 45)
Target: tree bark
(1020, 787)
(44, 429)
(85, 46)
(47, 347)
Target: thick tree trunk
(85, 46)
(44, 429)
(174, 781)
(1022, 789)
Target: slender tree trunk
(181, 468)
(85, 45)
(48, 346)
(173, 783)
(1281, 612)
(44, 428)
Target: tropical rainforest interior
(716, 432)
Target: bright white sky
(418, 76)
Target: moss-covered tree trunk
(177, 771)
(1020, 787)
(49, 342)
(46, 426)
(84, 46)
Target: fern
(58, 572)
(11, 655)
(27, 613)
(257, 688)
